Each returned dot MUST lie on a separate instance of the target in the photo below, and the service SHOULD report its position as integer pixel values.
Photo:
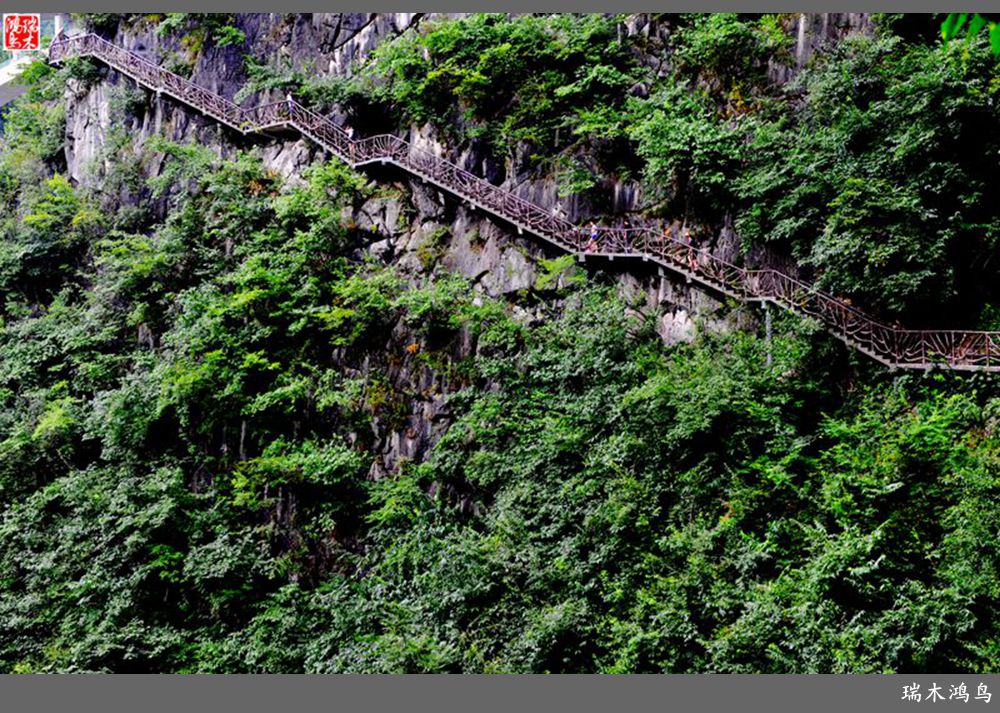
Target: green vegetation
(954, 23)
(200, 374)
(884, 179)
(197, 28)
(519, 80)
(874, 167)
(100, 21)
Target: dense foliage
(884, 179)
(954, 24)
(874, 167)
(515, 80)
(196, 371)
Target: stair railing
(893, 346)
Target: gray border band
(485, 694)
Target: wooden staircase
(892, 346)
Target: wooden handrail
(889, 345)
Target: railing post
(767, 332)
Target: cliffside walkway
(895, 347)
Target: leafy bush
(198, 28)
(883, 181)
(728, 47)
(511, 80)
(689, 155)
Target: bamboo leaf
(975, 25)
(952, 24)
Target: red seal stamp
(21, 32)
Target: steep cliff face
(420, 229)
(331, 43)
